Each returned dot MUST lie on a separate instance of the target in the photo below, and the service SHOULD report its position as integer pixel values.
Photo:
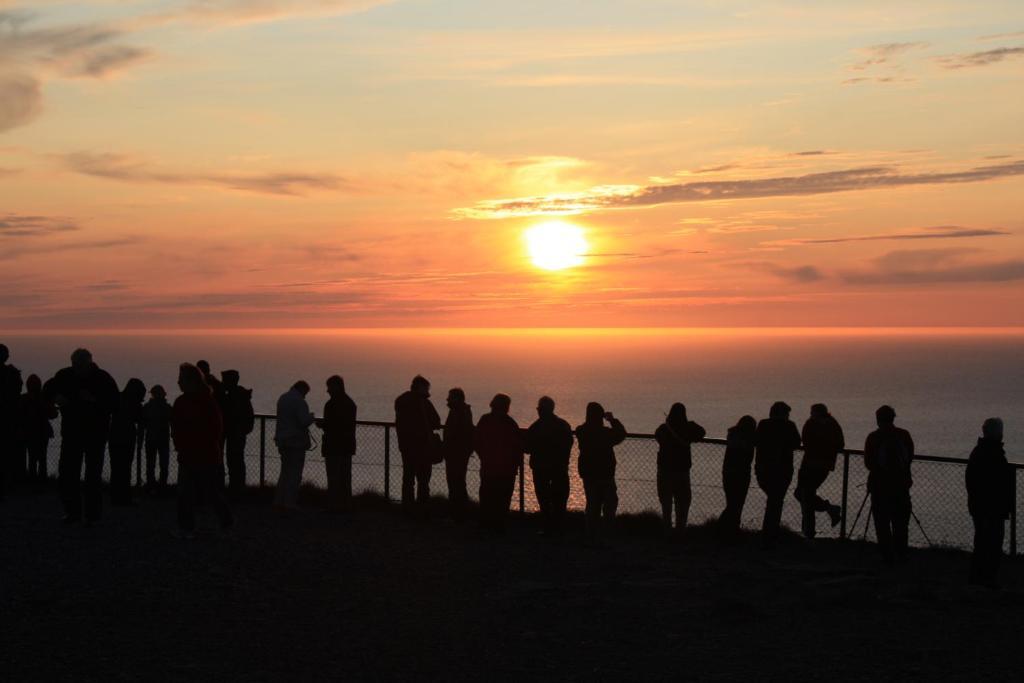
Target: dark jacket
(10, 393)
(235, 404)
(415, 422)
(989, 481)
(125, 424)
(674, 454)
(739, 451)
(499, 443)
(156, 420)
(597, 448)
(888, 452)
(549, 443)
(339, 425)
(823, 439)
(776, 438)
(458, 433)
(88, 402)
(34, 415)
(197, 429)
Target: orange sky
(332, 163)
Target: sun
(556, 245)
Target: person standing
(416, 421)
(549, 443)
(235, 403)
(990, 488)
(156, 423)
(291, 434)
(124, 436)
(339, 444)
(87, 396)
(888, 454)
(197, 430)
(499, 443)
(34, 415)
(739, 454)
(823, 440)
(777, 438)
(596, 465)
(458, 448)
(11, 452)
(675, 460)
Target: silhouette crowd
(210, 421)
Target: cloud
(17, 225)
(984, 58)
(20, 100)
(798, 274)
(127, 169)
(934, 266)
(251, 11)
(87, 245)
(885, 53)
(634, 196)
(938, 232)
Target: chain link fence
(939, 496)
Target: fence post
(846, 491)
(522, 488)
(387, 462)
(1013, 517)
(263, 451)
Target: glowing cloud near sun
(556, 245)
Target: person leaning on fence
(34, 415)
(416, 423)
(458, 448)
(339, 444)
(235, 403)
(291, 436)
(87, 396)
(823, 440)
(124, 437)
(888, 453)
(549, 443)
(739, 454)
(990, 485)
(675, 459)
(777, 438)
(156, 423)
(596, 465)
(499, 443)
(197, 430)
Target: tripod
(867, 521)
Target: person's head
(746, 425)
(335, 386)
(33, 384)
(158, 392)
(456, 397)
(885, 416)
(545, 406)
(780, 410)
(229, 378)
(677, 414)
(595, 413)
(81, 361)
(993, 429)
(420, 385)
(819, 410)
(4, 354)
(500, 404)
(190, 379)
(302, 387)
(134, 390)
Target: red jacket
(197, 429)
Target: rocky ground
(375, 596)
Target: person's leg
(37, 454)
(69, 477)
(611, 499)
(408, 483)
(423, 472)
(346, 482)
(151, 464)
(486, 503)
(559, 497)
(901, 526)
(455, 477)
(332, 469)
(977, 575)
(683, 497)
(120, 467)
(880, 510)
(594, 502)
(94, 478)
(235, 454)
(542, 489)
(507, 485)
(187, 499)
(287, 488)
(664, 487)
(803, 494)
(211, 481)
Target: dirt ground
(376, 596)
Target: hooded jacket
(674, 440)
(156, 420)
(777, 438)
(416, 419)
(549, 443)
(823, 439)
(597, 448)
(888, 452)
(339, 425)
(499, 443)
(458, 433)
(989, 479)
(293, 420)
(197, 429)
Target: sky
(363, 163)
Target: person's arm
(794, 436)
(618, 431)
(306, 416)
(842, 438)
(910, 444)
(696, 432)
(870, 452)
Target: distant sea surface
(943, 384)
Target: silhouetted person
(888, 452)
(499, 443)
(235, 403)
(823, 440)
(197, 430)
(209, 378)
(458, 447)
(124, 433)
(416, 420)
(156, 422)
(549, 443)
(34, 415)
(596, 465)
(11, 452)
(739, 455)
(990, 493)
(675, 459)
(291, 435)
(777, 438)
(87, 396)
(339, 444)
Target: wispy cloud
(252, 11)
(983, 58)
(63, 247)
(20, 100)
(884, 54)
(18, 225)
(933, 233)
(934, 266)
(798, 274)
